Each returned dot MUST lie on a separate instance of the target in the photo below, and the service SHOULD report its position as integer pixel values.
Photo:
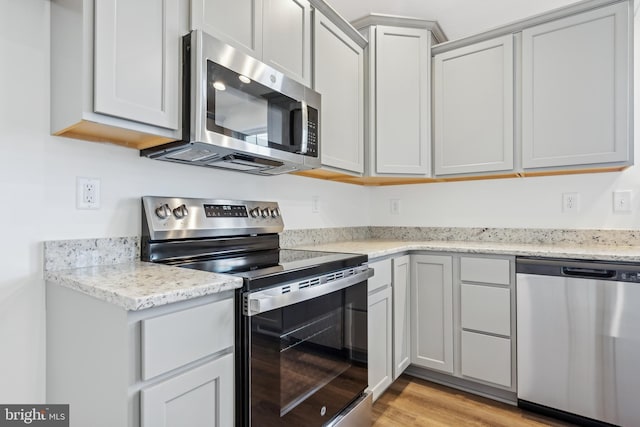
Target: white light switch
(622, 201)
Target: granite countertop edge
(140, 285)
(375, 248)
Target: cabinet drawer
(486, 309)
(486, 358)
(485, 270)
(382, 275)
(173, 340)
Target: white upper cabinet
(576, 89)
(114, 76)
(473, 108)
(287, 37)
(401, 99)
(338, 77)
(137, 61)
(277, 32)
(237, 22)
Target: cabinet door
(237, 22)
(486, 358)
(338, 77)
(200, 397)
(575, 89)
(136, 72)
(401, 315)
(380, 341)
(473, 117)
(402, 91)
(287, 37)
(432, 312)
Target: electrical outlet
(315, 204)
(87, 193)
(394, 206)
(622, 201)
(570, 202)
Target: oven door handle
(267, 300)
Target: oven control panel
(178, 217)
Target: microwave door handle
(305, 127)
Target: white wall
(521, 203)
(37, 184)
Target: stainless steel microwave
(241, 114)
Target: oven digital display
(225, 211)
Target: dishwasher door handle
(588, 273)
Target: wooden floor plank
(414, 402)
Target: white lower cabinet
(380, 338)
(487, 320)
(401, 314)
(389, 322)
(463, 314)
(432, 312)
(196, 398)
(485, 308)
(169, 366)
(486, 358)
(445, 314)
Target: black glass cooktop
(261, 269)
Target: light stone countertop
(381, 248)
(134, 285)
(139, 285)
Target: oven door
(305, 362)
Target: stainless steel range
(301, 316)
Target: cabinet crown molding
(518, 26)
(335, 17)
(401, 21)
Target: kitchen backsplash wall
(78, 253)
(510, 235)
(318, 236)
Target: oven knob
(265, 213)
(255, 212)
(163, 212)
(181, 211)
(275, 213)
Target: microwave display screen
(249, 111)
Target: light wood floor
(414, 402)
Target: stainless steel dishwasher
(579, 339)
